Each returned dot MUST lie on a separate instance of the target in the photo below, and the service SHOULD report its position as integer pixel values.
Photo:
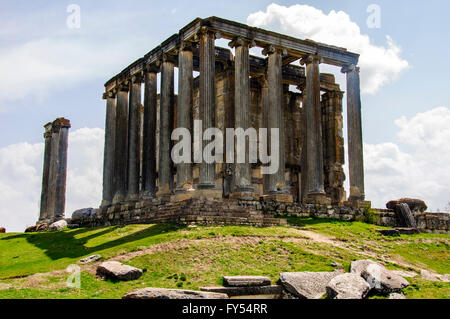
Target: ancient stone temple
(53, 196)
(229, 88)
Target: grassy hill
(32, 265)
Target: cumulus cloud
(21, 172)
(39, 67)
(423, 172)
(379, 64)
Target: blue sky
(49, 70)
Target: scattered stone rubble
(117, 271)
(90, 259)
(161, 293)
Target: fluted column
(165, 118)
(108, 154)
(46, 172)
(314, 149)
(354, 134)
(121, 144)
(134, 162)
(265, 124)
(242, 171)
(56, 200)
(149, 138)
(184, 111)
(277, 182)
(207, 171)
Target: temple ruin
(226, 90)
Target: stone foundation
(209, 211)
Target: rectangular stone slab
(245, 291)
(245, 281)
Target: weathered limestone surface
(59, 225)
(246, 291)
(347, 286)
(161, 293)
(307, 285)
(90, 259)
(46, 172)
(416, 205)
(383, 280)
(117, 271)
(245, 281)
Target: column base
(105, 203)
(364, 204)
(164, 190)
(182, 194)
(148, 195)
(132, 198)
(207, 193)
(279, 198)
(317, 199)
(118, 198)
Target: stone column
(46, 172)
(56, 201)
(265, 124)
(242, 171)
(121, 144)
(166, 110)
(313, 120)
(277, 182)
(207, 172)
(149, 139)
(108, 154)
(133, 138)
(184, 110)
(354, 133)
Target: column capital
(152, 68)
(138, 77)
(187, 46)
(166, 57)
(311, 58)
(61, 122)
(207, 31)
(124, 86)
(110, 94)
(48, 130)
(270, 49)
(349, 68)
(241, 41)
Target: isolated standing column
(46, 172)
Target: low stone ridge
(416, 205)
(37, 228)
(90, 259)
(409, 274)
(115, 270)
(425, 274)
(245, 281)
(388, 232)
(407, 231)
(246, 291)
(358, 266)
(307, 285)
(383, 280)
(2, 230)
(83, 215)
(59, 225)
(347, 286)
(161, 293)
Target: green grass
(228, 250)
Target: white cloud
(379, 64)
(39, 67)
(423, 173)
(21, 178)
